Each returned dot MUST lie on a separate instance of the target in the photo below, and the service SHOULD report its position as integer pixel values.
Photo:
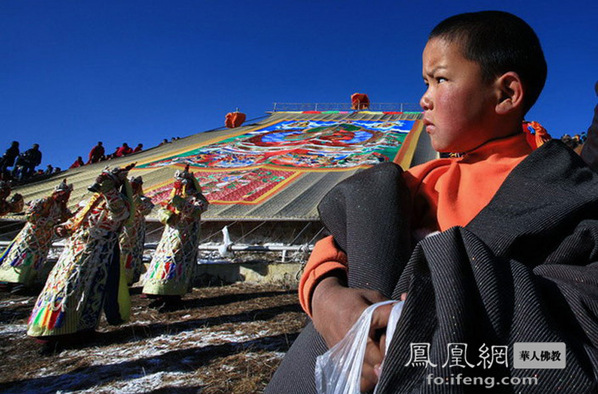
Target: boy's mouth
(428, 125)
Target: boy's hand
(335, 308)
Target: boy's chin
(445, 147)
(440, 148)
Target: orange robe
(445, 193)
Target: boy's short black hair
(499, 42)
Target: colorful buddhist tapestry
(249, 167)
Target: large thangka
(249, 167)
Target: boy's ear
(510, 93)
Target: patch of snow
(13, 329)
(147, 383)
(157, 346)
(23, 301)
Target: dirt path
(227, 339)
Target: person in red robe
(96, 153)
(124, 150)
(78, 163)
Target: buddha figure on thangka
(327, 144)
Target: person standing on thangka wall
(25, 257)
(172, 267)
(87, 277)
(132, 237)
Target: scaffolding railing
(214, 248)
(322, 107)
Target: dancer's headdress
(187, 181)
(136, 179)
(63, 187)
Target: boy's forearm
(337, 307)
(327, 285)
(326, 259)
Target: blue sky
(75, 72)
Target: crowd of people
(575, 142)
(103, 253)
(23, 163)
(98, 153)
(20, 167)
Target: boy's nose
(425, 102)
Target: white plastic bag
(338, 371)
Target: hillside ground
(220, 339)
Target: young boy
(510, 235)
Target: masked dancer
(132, 238)
(14, 204)
(87, 277)
(171, 269)
(25, 257)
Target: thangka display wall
(252, 166)
(276, 169)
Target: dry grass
(227, 339)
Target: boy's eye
(440, 79)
